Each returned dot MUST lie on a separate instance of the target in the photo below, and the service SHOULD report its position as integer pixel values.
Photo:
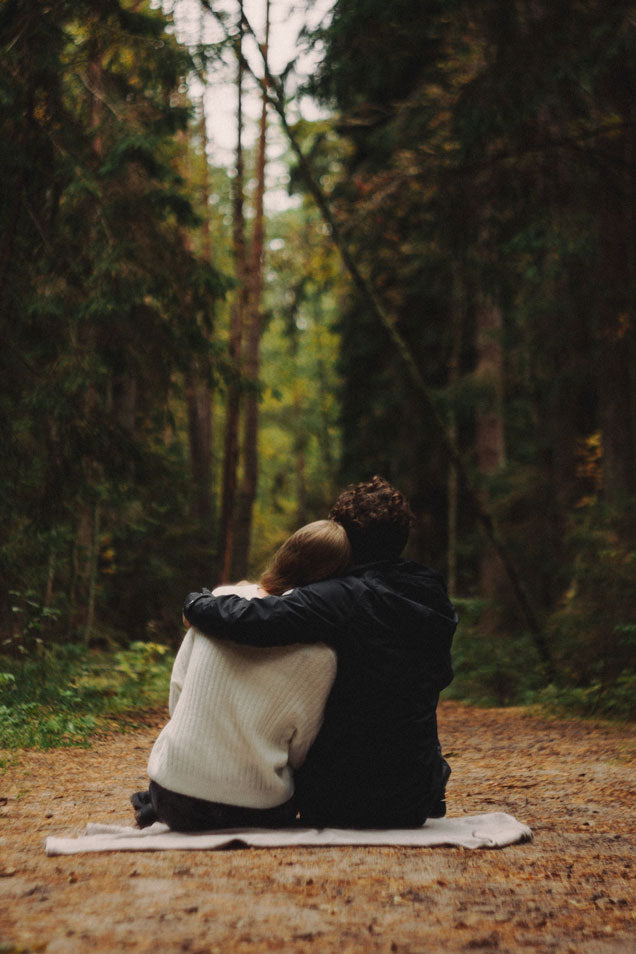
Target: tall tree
(253, 332)
(237, 323)
(198, 389)
(490, 441)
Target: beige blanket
(494, 830)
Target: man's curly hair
(377, 519)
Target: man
(376, 761)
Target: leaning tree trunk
(483, 516)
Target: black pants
(185, 813)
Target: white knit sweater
(242, 718)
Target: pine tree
(94, 264)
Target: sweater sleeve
(179, 669)
(309, 614)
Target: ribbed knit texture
(241, 718)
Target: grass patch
(62, 695)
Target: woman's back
(242, 718)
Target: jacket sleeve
(316, 613)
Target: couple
(319, 702)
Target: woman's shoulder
(243, 589)
(317, 655)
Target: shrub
(62, 695)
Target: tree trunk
(50, 578)
(301, 482)
(231, 448)
(86, 546)
(206, 237)
(199, 406)
(490, 448)
(198, 392)
(457, 306)
(92, 573)
(243, 524)
(6, 253)
(616, 365)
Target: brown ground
(567, 891)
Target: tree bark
(490, 447)
(92, 573)
(86, 547)
(6, 254)
(489, 373)
(616, 365)
(249, 484)
(231, 448)
(199, 406)
(457, 307)
(198, 391)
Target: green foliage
(31, 623)
(594, 628)
(616, 702)
(464, 180)
(63, 695)
(144, 667)
(103, 307)
(357, 71)
(504, 669)
(501, 670)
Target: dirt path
(567, 891)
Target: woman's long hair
(315, 552)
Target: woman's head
(315, 552)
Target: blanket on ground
(492, 830)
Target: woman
(242, 718)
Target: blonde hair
(315, 552)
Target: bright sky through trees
(288, 19)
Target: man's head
(377, 519)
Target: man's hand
(189, 598)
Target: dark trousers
(185, 813)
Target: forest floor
(566, 891)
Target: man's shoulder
(332, 588)
(367, 577)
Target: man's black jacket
(376, 761)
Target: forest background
(188, 372)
